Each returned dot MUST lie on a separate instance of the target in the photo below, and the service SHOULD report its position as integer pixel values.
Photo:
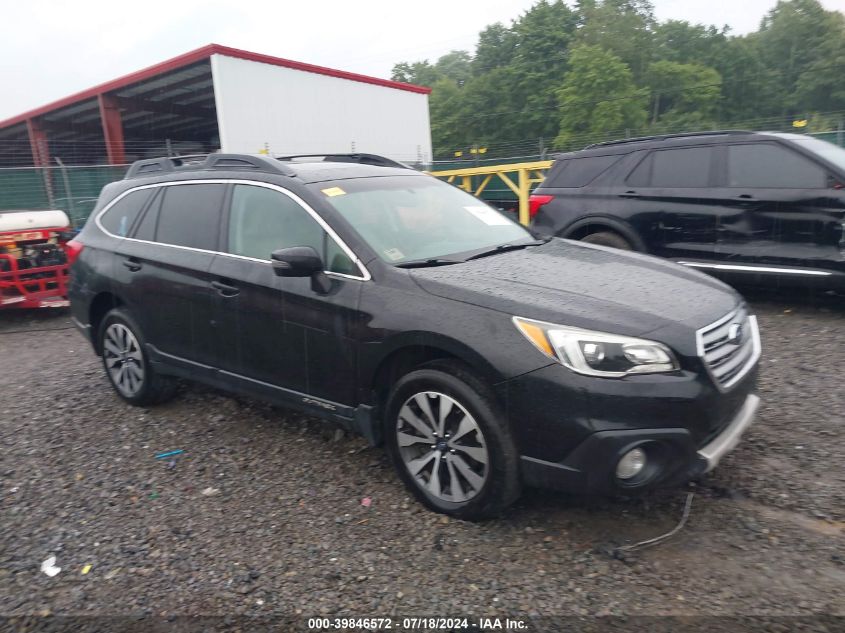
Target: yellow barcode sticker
(334, 191)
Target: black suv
(753, 206)
(404, 309)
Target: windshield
(830, 152)
(409, 218)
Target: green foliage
(585, 107)
(605, 68)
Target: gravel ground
(262, 514)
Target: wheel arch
(100, 306)
(594, 224)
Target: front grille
(730, 347)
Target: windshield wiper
(427, 263)
(503, 248)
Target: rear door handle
(132, 264)
(629, 194)
(225, 289)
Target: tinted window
(119, 219)
(263, 220)
(687, 167)
(579, 172)
(190, 216)
(766, 165)
(641, 175)
(147, 226)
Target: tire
(122, 348)
(608, 238)
(466, 487)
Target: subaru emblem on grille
(735, 333)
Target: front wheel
(450, 443)
(126, 363)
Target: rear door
(670, 191)
(162, 271)
(284, 332)
(782, 207)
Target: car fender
(614, 224)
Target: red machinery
(34, 259)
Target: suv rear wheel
(608, 238)
(450, 442)
(126, 363)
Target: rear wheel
(450, 442)
(608, 238)
(126, 363)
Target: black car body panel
(326, 344)
(692, 198)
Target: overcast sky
(49, 50)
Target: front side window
(770, 166)
(405, 218)
(190, 215)
(263, 220)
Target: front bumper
(590, 467)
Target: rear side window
(579, 172)
(766, 165)
(118, 220)
(190, 215)
(683, 168)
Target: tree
(420, 73)
(683, 95)
(685, 43)
(623, 27)
(598, 97)
(455, 65)
(496, 48)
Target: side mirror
(296, 261)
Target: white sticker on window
(488, 216)
(394, 254)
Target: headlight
(597, 353)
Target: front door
(784, 210)
(280, 332)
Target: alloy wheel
(442, 447)
(123, 359)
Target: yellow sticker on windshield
(334, 191)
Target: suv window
(767, 165)
(262, 220)
(683, 168)
(190, 215)
(118, 220)
(578, 172)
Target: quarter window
(190, 215)
(579, 172)
(766, 165)
(263, 220)
(118, 220)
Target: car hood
(584, 285)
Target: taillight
(536, 201)
(73, 250)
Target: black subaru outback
(747, 205)
(405, 309)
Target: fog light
(631, 464)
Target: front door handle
(629, 194)
(132, 264)
(225, 289)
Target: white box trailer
(290, 109)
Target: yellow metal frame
(526, 174)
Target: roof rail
(663, 137)
(364, 159)
(221, 162)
